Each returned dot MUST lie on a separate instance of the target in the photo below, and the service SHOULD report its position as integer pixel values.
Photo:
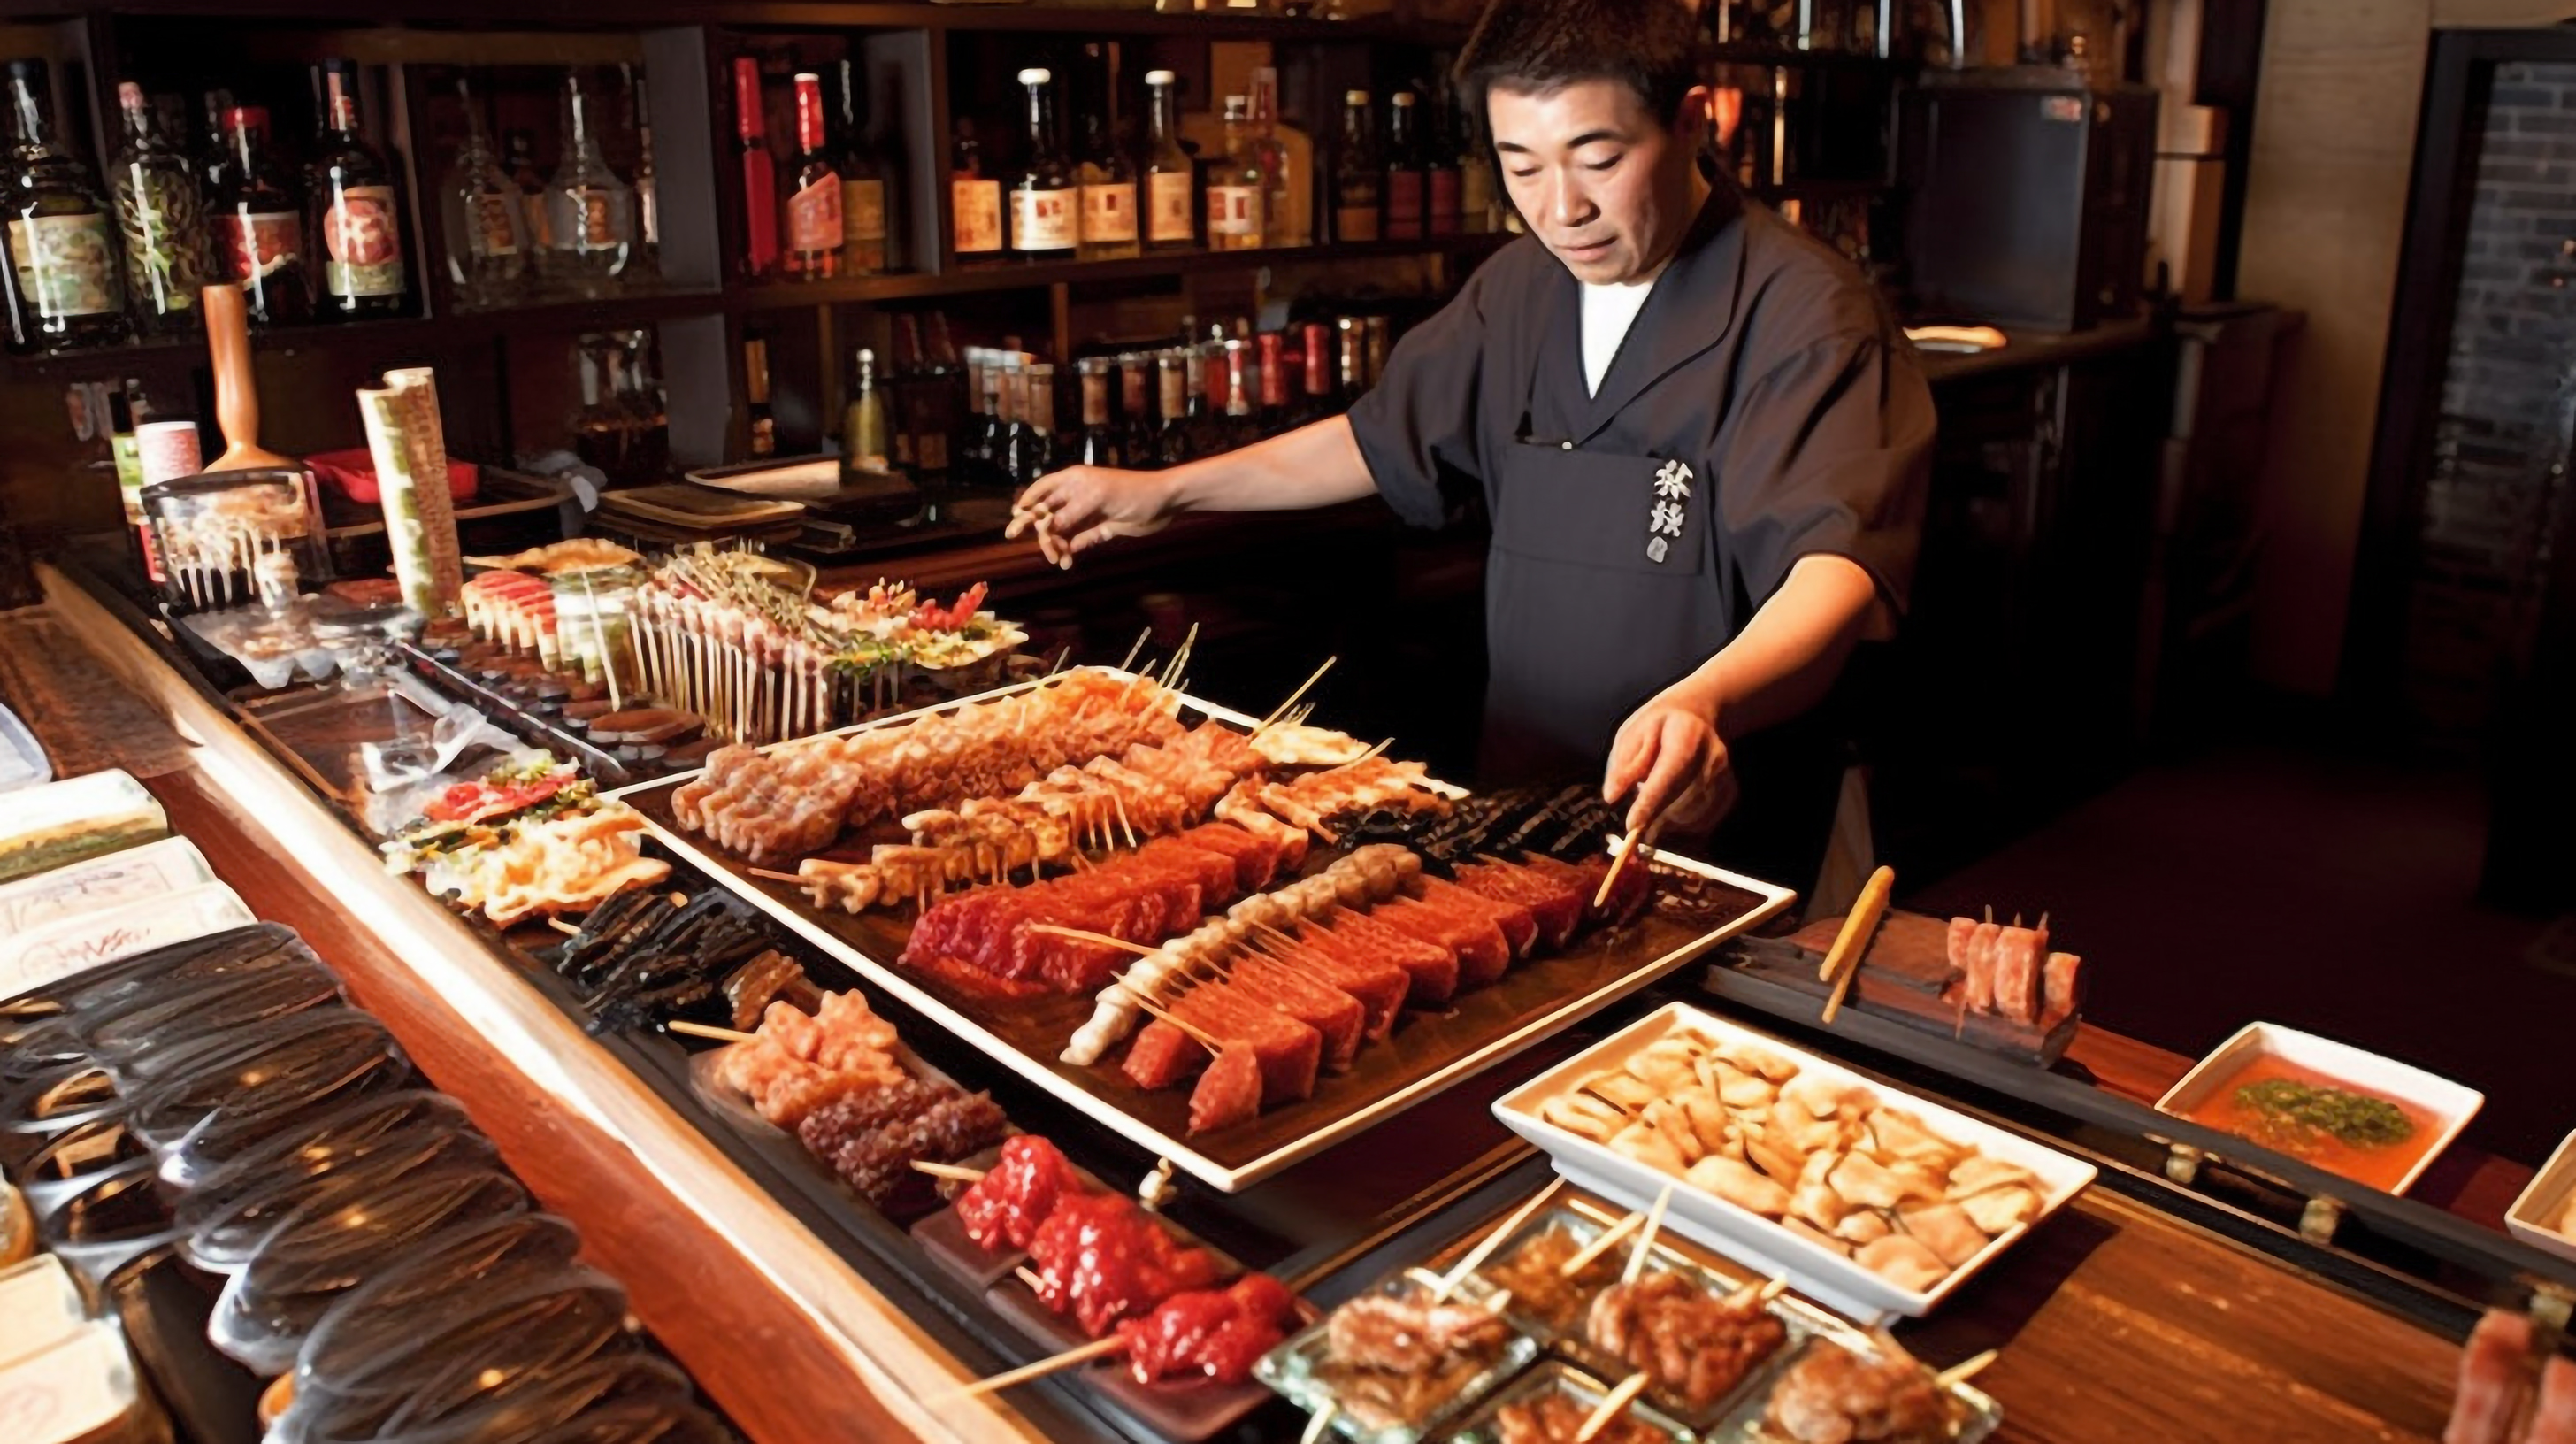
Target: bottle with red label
(1046, 200)
(356, 226)
(1109, 217)
(758, 172)
(61, 234)
(259, 224)
(1405, 181)
(590, 209)
(1237, 191)
(815, 236)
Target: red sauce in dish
(2379, 1165)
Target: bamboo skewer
(1081, 935)
(1303, 688)
(1761, 1293)
(1852, 943)
(1613, 1404)
(1646, 1237)
(702, 1030)
(948, 1171)
(1319, 1424)
(1964, 1370)
(1619, 864)
(1608, 1240)
(565, 928)
(773, 875)
(1485, 1247)
(1096, 1349)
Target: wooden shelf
(1781, 57)
(1020, 276)
(797, 14)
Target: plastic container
(122, 1035)
(220, 1161)
(76, 945)
(226, 1230)
(153, 870)
(288, 1066)
(1366, 1406)
(40, 1307)
(83, 1390)
(352, 473)
(22, 760)
(261, 945)
(74, 819)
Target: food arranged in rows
(531, 838)
(218, 1095)
(646, 959)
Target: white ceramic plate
(2451, 1104)
(2535, 1217)
(1831, 1279)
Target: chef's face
(1607, 186)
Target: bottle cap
(1355, 97)
(1403, 97)
(1036, 75)
(1160, 77)
(803, 76)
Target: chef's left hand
(1669, 752)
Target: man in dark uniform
(1700, 436)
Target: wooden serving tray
(1426, 1053)
(1901, 978)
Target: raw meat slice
(1479, 945)
(1554, 902)
(1162, 1056)
(1256, 860)
(1378, 985)
(1311, 1001)
(1518, 925)
(1432, 968)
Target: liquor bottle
(127, 408)
(1441, 178)
(1205, 427)
(992, 429)
(1236, 187)
(1010, 394)
(61, 252)
(1108, 178)
(1171, 182)
(259, 225)
(590, 210)
(356, 220)
(1172, 390)
(815, 233)
(932, 407)
(865, 222)
(762, 428)
(974, 198)
(215, 147)
(1404, 175)
(1033, 401)
(648, 186)
(1272, 352)
(758, 172)
(1351, 372)
(1101, 443)
(1479, 200)
(519, 153)
(1379, 338)
(479, 216)
(1359, 184)
(162, 216)
(1136, 408)
(1046, 200)
(1240, 426)
(1317, 401)
(1285, 157)
(866, 439)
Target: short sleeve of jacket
(1422, 413)
(1828, 452)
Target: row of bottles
(1096, 202)
(513, 234)
(91, 265)
(998, 416)
(837, 214)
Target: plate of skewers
(1112, 888)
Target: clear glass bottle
(590, 209)
(356, 213)
(1136, 408)
(519, 160)
(866, 223)
(1034, 444)
(1046, 200)
(1171, 182)
(1107, 178)
(1172, 399)
(1359, 184)
(488, 254)
(259, 225)
(866, 439)
(1236, 188)
(62, 253)
(162, 216)
(974, 198)
(814, 230)
(1280, 174)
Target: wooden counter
(2117, 1322)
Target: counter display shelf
(807, 1312)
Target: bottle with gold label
(1108, 179)
(1236, 189)
(974, 198)
(480, 218)
(866, 224)
(357, 229)
(1046, 223)
(760, 421)
(1171, 182)
(1358, 185)
(814, 231)
(590, 209)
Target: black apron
(1601, 591)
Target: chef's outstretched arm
(1672, 752)
(1080, 507)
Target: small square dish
(1842, 1382)
(1392, 1366)
(2545, 1216)
(2330, 1105)
(1702, 1339)
(1552, 1401)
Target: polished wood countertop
(2116, 1321)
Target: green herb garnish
(2356, 1119)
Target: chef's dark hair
(1538, 46)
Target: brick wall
(2501, 444)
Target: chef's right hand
(1078, 508)
(2495, 1381)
